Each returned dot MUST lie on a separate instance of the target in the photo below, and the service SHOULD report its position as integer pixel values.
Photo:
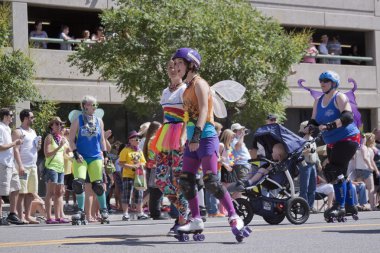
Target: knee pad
(78, 185)
(331, 172)
(213, 185)
(97, 187)
(187, 182)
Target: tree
(234, 39)
(16, 75)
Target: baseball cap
(271, 116)
(236, 126)
(302, 126)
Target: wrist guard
(105, 154)
(331, 126)
(196, 135)
(76, 154)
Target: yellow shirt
(130, 157)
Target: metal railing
(318, 56)
(341, 57)
(60, 41)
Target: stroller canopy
(271, 134)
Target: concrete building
(357, 19)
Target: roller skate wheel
(355, 217)
(246, 233)
(185, 238)
(239, 238)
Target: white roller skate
(104, 216)
(79, 218)
(194, 226)
(237, 227)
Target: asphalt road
(150, 236)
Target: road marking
(120, 238)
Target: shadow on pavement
(369, 231)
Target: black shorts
(68, 181)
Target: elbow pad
(346, 117)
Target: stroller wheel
(243, 209)
(297, 210)
(274, 220)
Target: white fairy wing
(99, 113)
(229, 90)
(74, 114)
(220, 110)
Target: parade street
(150, 236)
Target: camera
(247, 131)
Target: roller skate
(79, 218)
(173, 230)
(104, 216)
(335, 213)
(353, 212)
(195, 227)
(238, 229)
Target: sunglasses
(137, 139)
(324, 80)
(95, 105)
(11, 115)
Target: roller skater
(89, 148)
(332, 114)
(201, 148)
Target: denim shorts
(54, 177)
(363, 174)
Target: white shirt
(173, 99)
(359, 158)
(6, 156)
(28, 149)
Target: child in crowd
(130, 159)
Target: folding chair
(323, 197)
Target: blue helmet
(189, 55)
(332, 76)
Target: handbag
(140, 179)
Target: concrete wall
(82, 4)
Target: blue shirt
(88, 140)
(330, 113)
(242, 155)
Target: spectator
(323, 48)
(26, 161)
(99, 35)
(325, 188)
(54, 148)
(131, 158)
(142, 133)
(65, 36)
(271, 119)
(355, 52)
(308, 173)
(9, 180)
(311, 51)
(86, 35)
(38, 33)
(240, 152)
(155, 194)
(335, 48)
(364, 166)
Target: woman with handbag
(132, 161)
(54, 148)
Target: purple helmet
(190, 55)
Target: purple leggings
(205, 156)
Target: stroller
(273, 196)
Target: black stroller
(273, 196)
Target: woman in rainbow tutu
(168, 145)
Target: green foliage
(235, 41)
(5, 24)
(16, 79)
(44, 111)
